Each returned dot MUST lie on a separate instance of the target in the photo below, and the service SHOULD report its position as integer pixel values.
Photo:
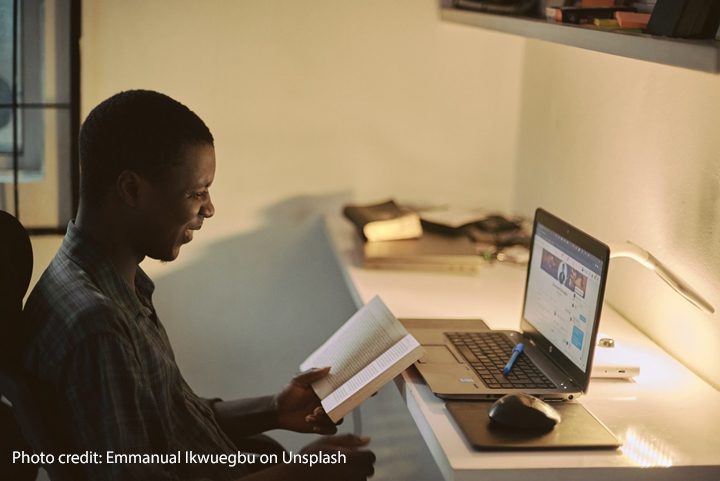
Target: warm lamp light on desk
(611, 363)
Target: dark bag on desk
(507, 7)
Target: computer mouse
(523, 412)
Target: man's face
(175, 206)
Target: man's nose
(208, 209)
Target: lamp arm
(640, 255)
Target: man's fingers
(325, 429)
(320, 422)
(306, 378)
(320, 414)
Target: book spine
(579, 15)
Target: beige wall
(370, 99)
(629, 150)
(314, 103)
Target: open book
(370, 349)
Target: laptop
(564, 291)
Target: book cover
(632, 19)
(366, 353)
(384, 221)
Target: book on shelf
(384, 221)
(583, 15)
(595, 3)
(366, 353)
(644, 6)
(632, 19)
(504, 7)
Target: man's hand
(299, 409)
(359, 465)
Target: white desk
(668, 418)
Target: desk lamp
(619, 365)
(649, 261)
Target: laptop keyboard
(488, 352)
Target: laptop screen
(564, 291)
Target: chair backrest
(33, 426)
(16, 259)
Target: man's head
(150, 160)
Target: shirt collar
(88, 254)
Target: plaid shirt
(106, 357)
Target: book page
(371, 371)
(370, 332)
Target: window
(39, 111)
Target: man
(147, 163)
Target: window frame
(73, 108)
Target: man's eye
(200, 195)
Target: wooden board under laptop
(366, 353)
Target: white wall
(369, 99)
(629, 150)
(312, 104)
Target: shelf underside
(692, 54)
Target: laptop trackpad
(438, 355)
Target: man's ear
(129, 187)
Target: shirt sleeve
(111, 409)
(245, 417)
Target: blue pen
(517, 350)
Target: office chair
(30, 427)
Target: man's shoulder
(67, 290)
(67, 307)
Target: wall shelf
(701, 55)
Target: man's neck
(113, 238)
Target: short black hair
(138, 130)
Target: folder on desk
(430, 252)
